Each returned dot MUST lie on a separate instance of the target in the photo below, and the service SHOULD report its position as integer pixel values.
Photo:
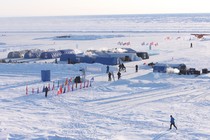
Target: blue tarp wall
(160, 68)
(87, 59)
(65, 57)
(107, 60)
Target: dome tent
(16, 54)
(32, 54)
(50, 55)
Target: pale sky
(11, 8)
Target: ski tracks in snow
(131, 100)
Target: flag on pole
(91, 81)
(53, 86)
(37, 89)
(81, 85)
(26, 90)
(66, 82)
(58, 84)
(68, 87)
(87, 83)
(49, 86)
(58, 92)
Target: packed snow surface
(135, 107)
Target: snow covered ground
(136, 107)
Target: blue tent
(107, 60)
(87, 59)
(32, 54)
(50, 55)
(160, 68)
(67, 57)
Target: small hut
(143, 55)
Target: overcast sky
(99, 7)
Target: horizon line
(100, 15)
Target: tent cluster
(106, 57)
(176, 68)
(37, 53)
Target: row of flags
(66, 86)
(149, 44)
(170, 38)
(123, 43)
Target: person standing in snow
(109, 76)
(136, 68)
(120, 67)
(107, 69)
(46, 90)
(123, 67)
(172, 121)
(113, 75)
(119, 75)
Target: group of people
(121, 68)
(111, 76)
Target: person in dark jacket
(136, 68)
(172, 121)
(46, 90)
(123, 67)
(120, 67)
(118, 75)
(109, 76)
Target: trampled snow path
(132, 100)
